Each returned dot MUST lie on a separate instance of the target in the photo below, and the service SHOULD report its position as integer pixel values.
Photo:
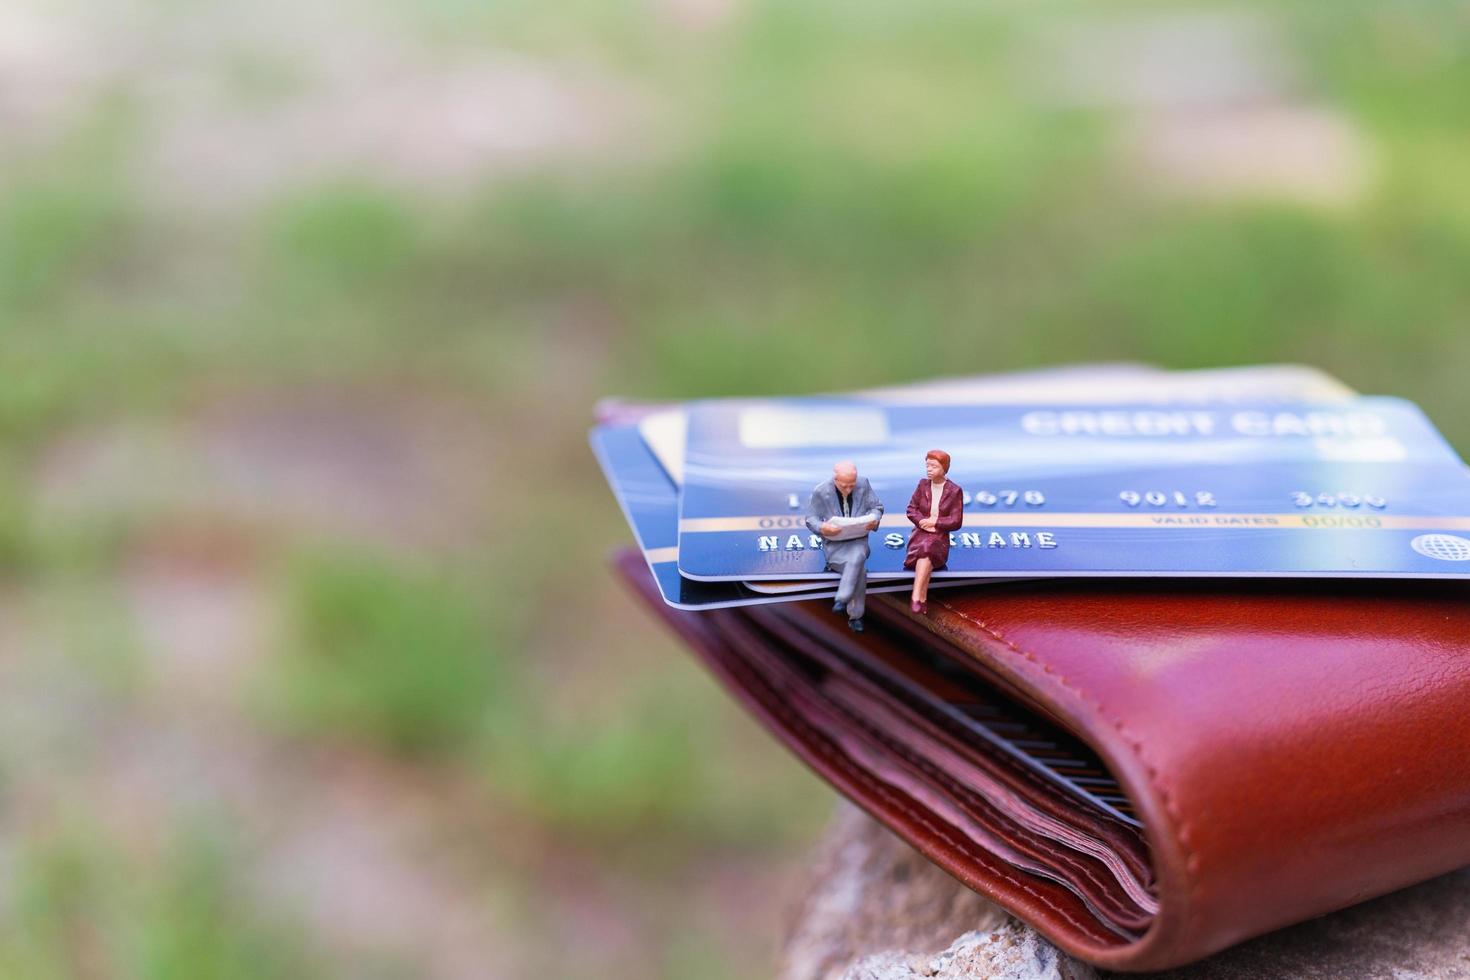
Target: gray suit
(847, 557)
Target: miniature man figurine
(843, 511)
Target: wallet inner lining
(913, 662)
(770, 697)
(928, 725)
(908, 738)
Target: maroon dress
(934, 544)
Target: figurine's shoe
(924, 608)
(839, 606)
(856, 625)
(916, 605)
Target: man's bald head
(844, 476)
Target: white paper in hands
(851, 527)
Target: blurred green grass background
(314, 665)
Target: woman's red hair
(939, 456)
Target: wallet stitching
(733, 662)
(1018, 771)
(840, 760)
(822, 745)
(1191, 859)
(1024, 774)
(963, 795)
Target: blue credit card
(650, 504)
(648, 494)
(1357, 487)
(664, 430)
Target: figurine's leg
(848, 590)
(843, 592)
(857, 595)
(922, 568)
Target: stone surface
(1010, 952)
(877, 910)
(869, 893)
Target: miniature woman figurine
(936, 508)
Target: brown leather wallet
(1273, 750)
